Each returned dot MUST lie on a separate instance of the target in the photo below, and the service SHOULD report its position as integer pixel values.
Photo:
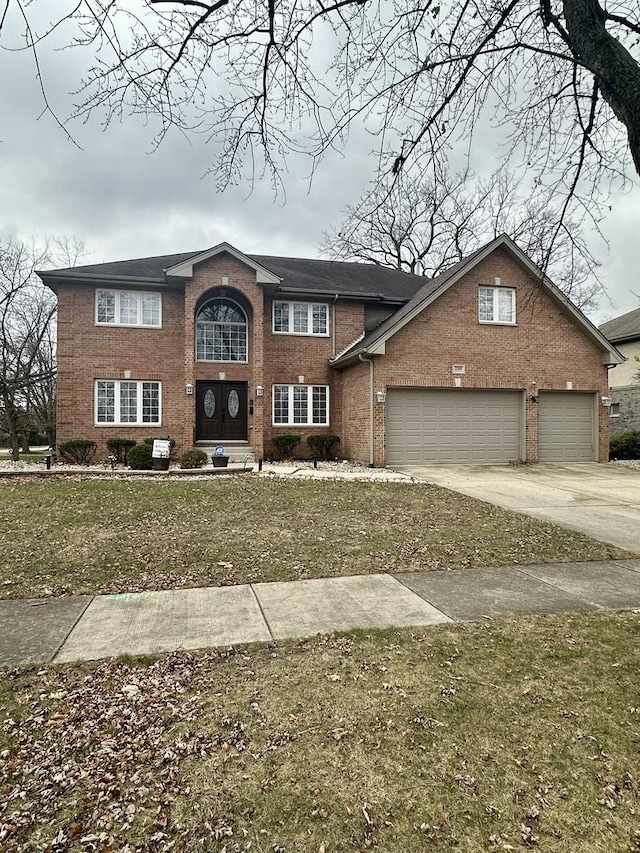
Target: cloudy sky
(112, 191)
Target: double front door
(221, 411)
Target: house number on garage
(209, 403)
(233, 403)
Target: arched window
(221, 331)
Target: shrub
(78, 451)
(139, 457)
(625, 446)
(322, 445)
(284, 444)
(193, 458)
(120, 447)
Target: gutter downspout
(363, 358)
(333, 326)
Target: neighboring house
(488, 362)
(624, 379)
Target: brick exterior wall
(546, 346)
(87, 352)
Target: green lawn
(93, 535)
(486, 737)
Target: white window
(300, 405)
(497, 305)
(131, 402)
(221, 331)
(301, 318)
(614, 410)
(128, 308)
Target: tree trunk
(615, 69)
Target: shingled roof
(623, 328)
(298, 275)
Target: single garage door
(425, 426)
(566, 427)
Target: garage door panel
(566, 427)
(426, 425)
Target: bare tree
(425, 226)
(559, 78)
(27, 336)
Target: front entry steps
(240, 454)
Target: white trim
(290, 394)
(118, 292)
(139, 398)
(185, 269)
(310, 306)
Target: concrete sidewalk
(76, 628)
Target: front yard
(510, 735)
(93, 535)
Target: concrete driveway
(602, 501)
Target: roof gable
(184, 269)
(374, 343)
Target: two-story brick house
(488, 362)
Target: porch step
(241, 453)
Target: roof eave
(52, 278)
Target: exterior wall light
(188, 388)
(381, 396)
(606, 401)
(259, 391)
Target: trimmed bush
(193, 458)
(322, 445)
(139, 457)
(625, 446)
(78, 451)
(284, 445)
(120, 447)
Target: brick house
(488, 362)
(624, 380)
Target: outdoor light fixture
(259, 391)
(606, 401)
(381, 396)
(188, 388)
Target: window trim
(215, 322)
(494, 289)
(290, 394)
(310, 307)
(117, 322)
(139, 403)
(614, 412)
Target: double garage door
(425, 426)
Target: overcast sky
(124, 200)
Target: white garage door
(566, 427)
(425, 426)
